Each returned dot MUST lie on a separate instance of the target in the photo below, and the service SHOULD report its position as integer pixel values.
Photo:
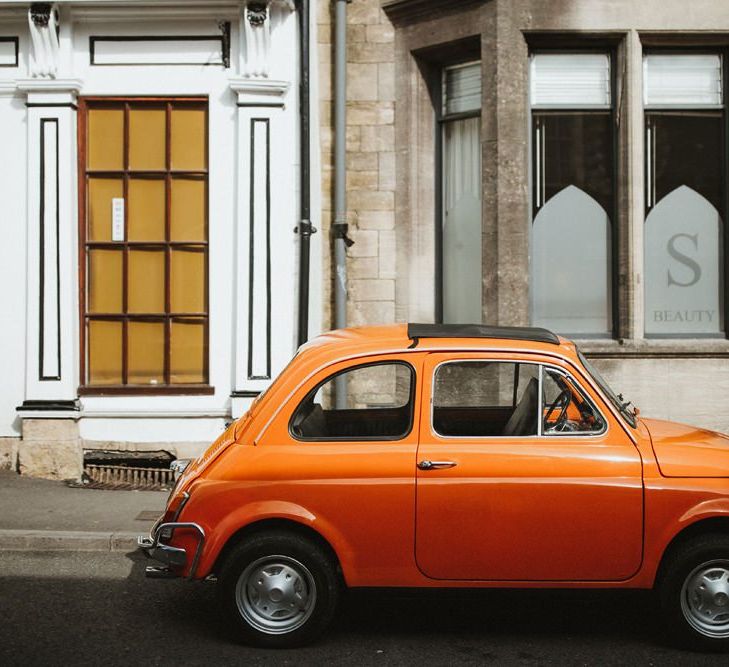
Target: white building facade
(150, 189)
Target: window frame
(540, 435)
(441, 120)
(648, 181)
(124, 103)
(616, 295)
(330, 378)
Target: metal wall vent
(128, 470)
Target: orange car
(448, 456)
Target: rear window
(367, 402)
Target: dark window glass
(370, 402)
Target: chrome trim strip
(152, 543)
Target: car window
(486, 398)
(367, 402)
(566, 409)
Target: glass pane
(566, 410)
(683, 272)
(147, 138)
(187, 281)
(570, 79)
(101, 192)
(462, 88)
(146, 352)
(571, 265)
(188, 135)
(187, 350)
(105, 352)
(484, 398)
(462, 269)
(106, 139)
(146, 286)
(686, 79)
(146, 212)
(187, 215)
(366, 402)
(105, 281)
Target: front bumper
(170, 557)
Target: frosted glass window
(576, 80)
(462, 272)
(462, 88)
(571, 265)
(684, 80)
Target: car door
(514, 499)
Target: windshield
(617, 400)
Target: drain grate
(128, 477)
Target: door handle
(435, 465)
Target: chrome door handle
(435, 465)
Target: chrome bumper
(168, 555)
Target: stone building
(558, 163)
(551, 163)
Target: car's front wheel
(694, 591)
(279, 589)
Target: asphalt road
(97, 609)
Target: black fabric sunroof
(532, 334)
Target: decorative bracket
(43, 23)
(259, 19)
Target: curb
(56, 540)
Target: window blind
(682, 80)
(462, 88)
(580, 80)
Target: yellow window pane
(187, 210)
(146, 281)
(105, 281)
(146, 210)
(147, 136)
(105, 139)
(146, 352)
(187, 281)
(187, 352)
(105, 352)
(100, 193)
(187, 139)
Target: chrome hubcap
(276, 594)
(705, 599)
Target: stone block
(365, 243)
(364, 52)
(362, 82)
(51, 459)
(9, 449)
(370, 113)
(362, 268)
(362, 180)
(387, 170)
(386, 82)
(387, 251)
(47, 430)
(371, 312)
(354, 138)
(364, 12)
(362, 161)
(378, 138)
(380, 33)
(372, 201)
(372, 290)
(355, 33)
(380, 220)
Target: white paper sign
(117, 219)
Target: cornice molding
(258, 91)
(400, 10)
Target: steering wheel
(560, 403)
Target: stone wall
(370, 160)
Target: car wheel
(694, 593)
(279, 590)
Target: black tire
(243, 605)
(679, 612)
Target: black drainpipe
(305, 229)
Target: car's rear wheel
(279, 589)
(694, 591)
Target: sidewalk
(42, 515)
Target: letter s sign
(684, 259)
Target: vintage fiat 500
(448, 456)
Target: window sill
(145, 390)
(657, 348)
